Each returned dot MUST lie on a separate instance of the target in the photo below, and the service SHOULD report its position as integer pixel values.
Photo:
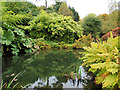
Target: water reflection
(47, 69)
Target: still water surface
(48, 69)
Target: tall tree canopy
(75, 14)
(64, 10)
(57, 6)
(103, 17)
(21, 7)
(112, 5)
(111, 22)
(92, 24)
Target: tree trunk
(46, 4)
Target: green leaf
(15, 51)
(8, 37)
(12, 80)
(28, 43)
(19, 32)
(28, 51)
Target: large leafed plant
(102, 57)
(14, 40)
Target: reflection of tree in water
(42, 66)
(53, 63)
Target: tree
(75, 14)
(92, 24)
(21, 7)
(64, 10)
(112, 5)
(45, 4)
(119, 14)
(103, 17)
(111, 22)
(57, 6)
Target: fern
(15, 20)
(102, 57)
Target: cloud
(83, 7)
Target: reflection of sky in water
(69, 84)
(52, 80)
(42, 83)
(47, 70)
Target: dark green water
(47, 69)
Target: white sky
(83, 7)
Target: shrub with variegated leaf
(54, 27)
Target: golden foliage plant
(102, 58)
(84, 41)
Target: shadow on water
(48, 69)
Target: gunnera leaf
(8, 37)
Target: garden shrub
(84, 41)
(102, 57)
(40, 43)
(92, 24)
(14, 40)
(15, 20)
(54, 27)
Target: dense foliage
(19, 23)
(64, 10)
(40, 43)
(102, 57)
(57, 6)
(110, 22)
(75, 14)
(84, 41)
(21, 8)
(14, 40)
(92, 24)
(23, 25)
(54, 27)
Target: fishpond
(48, 69)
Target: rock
(36, 46)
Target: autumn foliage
(115, 32)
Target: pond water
(47, 69)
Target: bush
(14, 40)
(103, 60)
(84, 41)
(92, 24)
(15, 20)
(54, 27)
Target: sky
(83, 7)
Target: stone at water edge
(36, 46)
